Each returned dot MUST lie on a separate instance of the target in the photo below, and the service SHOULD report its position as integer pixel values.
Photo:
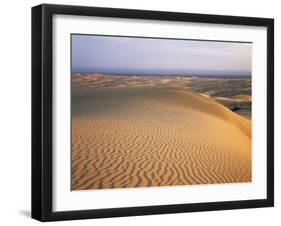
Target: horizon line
(166, 74)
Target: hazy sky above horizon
(110, 54)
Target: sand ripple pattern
(156, 138)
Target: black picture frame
(42, 107)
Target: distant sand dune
(238, 98)
(139, 137)
(98, 81)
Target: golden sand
(143, 137)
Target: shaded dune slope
(155, 137)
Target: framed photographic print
(145, 112)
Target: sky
(130, 55)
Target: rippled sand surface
(155, 136)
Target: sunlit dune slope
(139, 137)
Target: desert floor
(135, 135)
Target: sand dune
(233, 93)
(139, 137)
(238, 98)
(97, 81)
